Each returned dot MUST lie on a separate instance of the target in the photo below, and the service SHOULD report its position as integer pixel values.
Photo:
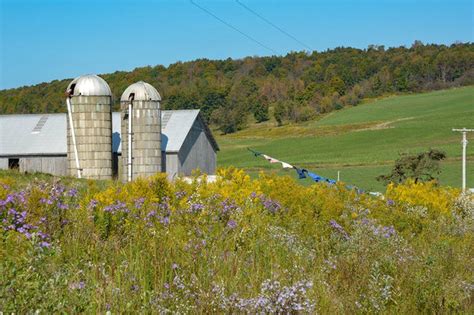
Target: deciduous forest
(297, 86)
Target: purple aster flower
(231, 224)
(196, 207)
(93, 203)
(139, 202)
(72, 192)
(270, 205)
(339, 229)
(165, 220)
(44, 244)
(77, 285)
(180, 194)
(10, 198)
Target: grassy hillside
(363, 141)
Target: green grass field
(363, 141)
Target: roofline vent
(39, 125)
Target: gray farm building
(38, 143)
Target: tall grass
(238, 245)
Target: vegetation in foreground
(238, 245)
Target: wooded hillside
(298, 86)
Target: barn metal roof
(19, 134)
(45, 134)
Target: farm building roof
(45, 134)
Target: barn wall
(3, 163)
(197, 152)
(54, 165)
(172, 165)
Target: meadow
(362, 141)
(257, 240)
(266, 245)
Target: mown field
(267, 246)
(363, 141)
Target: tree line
(297, 86)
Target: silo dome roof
(89, 85)
(143, 92)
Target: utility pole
(464, 143)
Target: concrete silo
(89, 132)
(141, 131)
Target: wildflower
(270, 205)
(77, 285)
(62, 206)
(180, 194)
(165, 220)
(93, 203)
(231, 224)
(10, 199)
(228, 207)
(339, 229)
(42, 235)
(196, 207)
(72, 192)
(44, 244)
(135, 288)
(330, 264)
(139, 202)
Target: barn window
(13, 164)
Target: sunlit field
(239, 245)
(363, 141)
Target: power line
(232, 27)
(273, 24)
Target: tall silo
(89, 153)
(141, 123)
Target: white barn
(38, 143)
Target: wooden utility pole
(464, 143)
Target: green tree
(280, 112)
(423, 166)
(229, 119)
(260, 109)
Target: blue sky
(43, 40)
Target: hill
(299, 86)
(363, 141)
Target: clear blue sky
(43, 40)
